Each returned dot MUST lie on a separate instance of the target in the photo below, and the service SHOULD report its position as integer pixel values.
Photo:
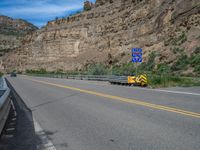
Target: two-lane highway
(90, 115)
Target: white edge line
(178, 92)
(46, 143)
(166, 91)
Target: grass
(165, 80)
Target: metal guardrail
(122, 79)
(1, 83)
(5, 103)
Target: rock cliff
(12, 31)
(108, 32)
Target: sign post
(136, 57)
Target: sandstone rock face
(102, 2)
(12, 32)
(111, 28)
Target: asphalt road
(91, 115)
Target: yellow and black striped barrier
(140, 80)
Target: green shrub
(19, 72)
(169, 80)
(151, 61)
(195, 60)
(75, 72)
(40, 71)
(180, 39)
(197, 50)
(175, 78)
(180, 64)
(150, 64)
(158, 80)
(177, 50)
(59, 71)
(124, 69)
(28, 71)
(97, 69)
(197, 69)
(87, 6)
(163, 69)
(154, 80)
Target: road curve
(90, 115)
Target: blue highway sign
(136, 55)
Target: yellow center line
(127, 100)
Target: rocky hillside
(11, 33)
(170, 30)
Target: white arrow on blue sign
(137, 55)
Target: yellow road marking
(127, 100)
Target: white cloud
(39, 11)
(43, 10)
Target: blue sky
(39, 12)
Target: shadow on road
(19, 132)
